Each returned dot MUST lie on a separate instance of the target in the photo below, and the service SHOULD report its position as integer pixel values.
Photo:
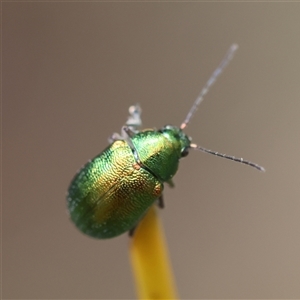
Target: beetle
(114, 190)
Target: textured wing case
(109, 195)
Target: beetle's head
(177, 136)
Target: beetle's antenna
(229, 55)
(240, 160)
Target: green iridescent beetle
(113, 191)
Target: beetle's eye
(185, 152)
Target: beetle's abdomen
(111, 193)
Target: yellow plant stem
(150, 262)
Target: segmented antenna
(240, 160)
(229, 55)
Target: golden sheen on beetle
(114, 190)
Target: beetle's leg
(131, 231)
(133, 123)
(128, 134)
(160, 200)
(170, 183)
(114, 137)
(161, 203)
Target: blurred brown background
(70, 72)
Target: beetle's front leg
(133, 123)
(114, 137)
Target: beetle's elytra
(113, 191)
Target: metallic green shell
(112, 192)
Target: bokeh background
(70, 72)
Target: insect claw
(161, 203)
(129, 132)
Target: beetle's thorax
(159, 151)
